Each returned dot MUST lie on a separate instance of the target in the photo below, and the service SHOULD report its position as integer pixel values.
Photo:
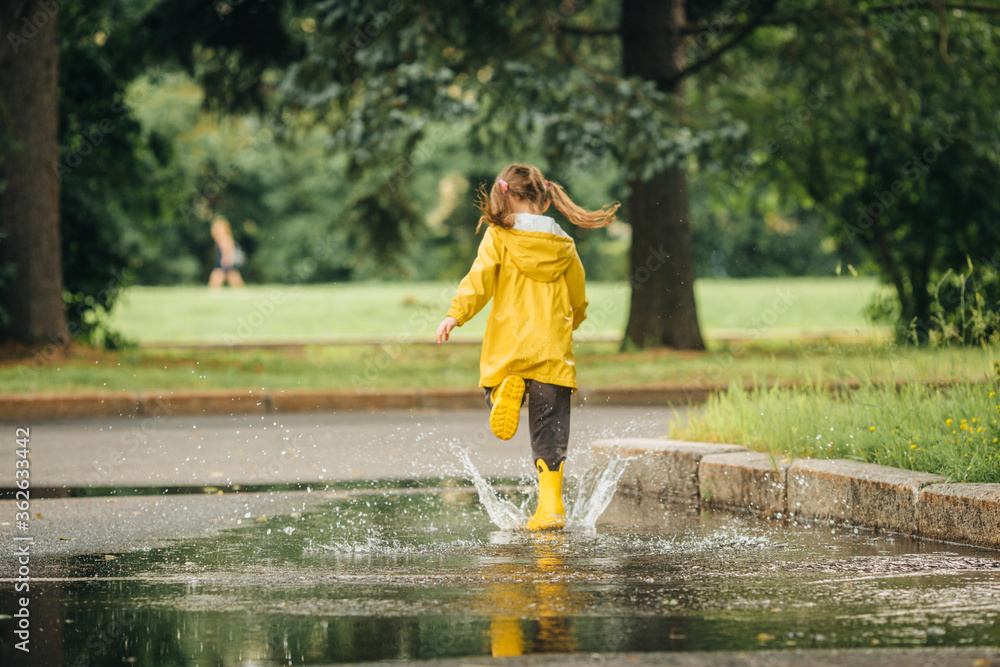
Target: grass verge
(428, 366)
(952, 432)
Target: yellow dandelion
(947, 422)
(913, 446)
(871, 428)
(992, 394)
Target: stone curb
(751, 480)
(313, 400)
(662, 468)
(58, 405)
(161, 403)
(69, 405)
(961, 513)
(859, 494)
(845, 492)
(24, 407)
(649, 394)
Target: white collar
(530, 222)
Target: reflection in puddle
(425, 573)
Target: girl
(228, 255)
(528, 265)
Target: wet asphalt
(283, 448)
(310, 472)
(819, 658)
(289, 458)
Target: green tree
(29, 203)
(921, 199)
(880, 120)
(118, 196)
(594, 87)
(83, 189)
(600, 84)
(382, 77)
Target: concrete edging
(662, 468)
(57, 405)
(157, 403)
(845, 492)
(752, 480)
(67, 405)
(961, 513)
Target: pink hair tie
(546, 185)
(503, 184)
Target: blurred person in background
(228, 255)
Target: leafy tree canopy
(871, 121)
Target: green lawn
(397, 313)
(413, 310)
(420, 366)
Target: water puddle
(421, 573)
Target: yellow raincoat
(536, 281)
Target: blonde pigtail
(526, 183)
(494, 206)
(483, 204)
(579, 216)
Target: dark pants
(548, 415)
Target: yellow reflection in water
(535, 594)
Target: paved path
(296, 448)
(245, 450)
(305, 448)
(943, 657)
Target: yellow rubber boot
(506, 410)
(551, 513)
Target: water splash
(381, 546)
(370, 546)
(594, 491)
(503, 513)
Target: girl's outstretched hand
(444, 329)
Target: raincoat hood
(534, 277)
(539, 248)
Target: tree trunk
(30, 199)
(663, 310)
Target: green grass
(784, 303)
(422, 366)
(952, 432)
(410, 311)
(317, 367)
